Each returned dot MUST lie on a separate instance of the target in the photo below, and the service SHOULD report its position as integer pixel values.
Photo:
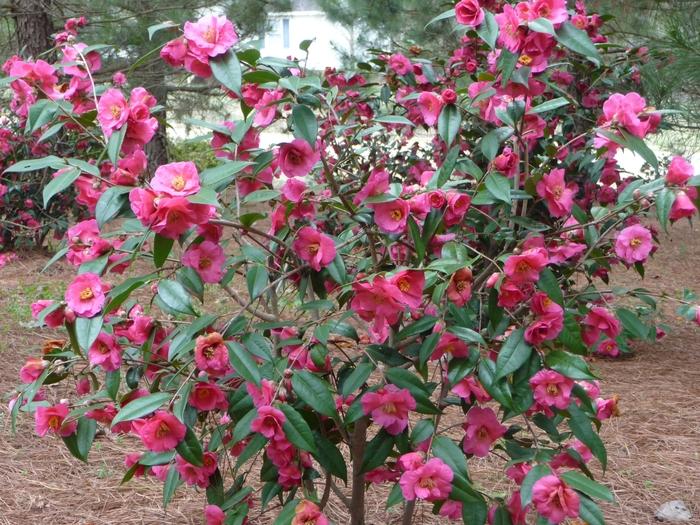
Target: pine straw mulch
(654, 447)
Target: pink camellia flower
(32, 369)
(86, 295)
(457, 206)
(550, 388)
(161, 432)
(557, 194)
(451, 510)
(606, 408)
(469, 388)
(112, 111)
(206, 396)
(482, 429)
(451, 345)
(308, 513)
(296, 158)
(469, 13)
(208, 259)
(265, 393)
(85, 243)
(527, 266)
(194, 475)
(211, 354)
(210, 36)
(389, 407)
(377, 183)
(213, 515)
(268, 422)
(52, 320)
(410, 284)
(177, 179)
(683, 207)
(430, 105)
(431, 481)
(633, 244)
(391, 217)
(679, 171)
(175, 215)
(377, 301)
(554, 500)
(459, 291)
(553, 10)
(105, 352)
(314, 247)
(624, 110)
(549, 321)
(53, 419)
(601, 319)
(608, 347)
(266, 108)
(510, 34)
(400, 64)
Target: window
(285, 33)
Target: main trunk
(33, 25)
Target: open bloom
(112, 111)
(679, 171)
(459, 291)
(207, 396)
(177, 179)
(32, 369)
(410, 285)
(377, 183)
(633, 244)
(210, 36)
(469, 13)
(527, 266)
(105, 352)
(213, 515)
(161, 432)
(52, 419)
(308, 513)
(314, 247)
(296, 158)
(550, 388)
(207, 258)
(554, 500)
(482, 429)
(86, 295)
(389, 407)
(557, 194)
(268, 422)
(431, 481)
(391, 217)
(430, 105)
(211, 354)
(194, 475)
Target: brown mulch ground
(654, 447)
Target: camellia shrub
(410, 283)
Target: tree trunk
(157, 149)
(33, 25)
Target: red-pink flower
(602, 320)
(482, 430)
(86, 295)
(32, 369)
(85, 243)
(391, 217)
(459, 291)
(112, 111)
(457, 206)
(53, 319)
(510, 34)
(527, 266)
(207, 396)
(683, 207)
(314, 247)
(608, 347)
(211, 355)
(210, 36)
(269, 422)
(430, 105)
(553, 10)
(555, 500)
(213, 515)
(451, 510)
(194, 475)
(431, 481)
(679, 171)
(105, 352)
(389, 407)
(469, 13)
(208, 259)
(410, 285)
(308, 513)
(624, 110)
(172, 216)
(161, 432)
(53, 419)
(400, 64)
(557, 194)
(550, 388)
(633, 244)
(296, 158)
(451, 345)
(177, 179)
(469, 388)
(377, 183)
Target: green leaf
(450, 13)
(491, 142)
(357, 378)
(395, 496)
(581, 426)
(451, 454)
(191, 449)
(175, 298)
(304, 124)
(549, 105)
(498, 186)
(421, 325)
(114, 144)
(112, 381)
(394, 119)
(287, 515)
(161, 249)
(587, 485)
(152, 30)
(445, 171)
(242, 428)
(257, 279)
(449, 122)
(243, 363)
(590, 512)
(488, 30)
(514, 353)
(632, 324)
(664, 202)
(36, 164)
(569, 365)
(297, 429)
(87, 329)
(537, 472)
(578, 41)
(60, 183)
(80, 442)
(223, 173)
(548, 284)
(172, 480)
(330, 457)
(205, 195)
(336, 269)
(633, 143)
(121, 292)
(377, 450)
(46, 135)
(313, 391)
(140, 407)
(467, 334)
(542, 25)
(261, 196)
(227, 70)
(111, 203)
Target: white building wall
(289, 30)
